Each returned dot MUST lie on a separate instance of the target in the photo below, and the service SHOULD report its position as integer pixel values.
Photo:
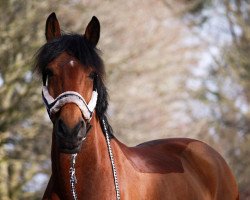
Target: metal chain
(72, 173)
(117, 190)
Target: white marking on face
(71, 63)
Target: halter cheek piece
(54, 105)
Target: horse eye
(48, 73)
(92, 75)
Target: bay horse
(88, 162)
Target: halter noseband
(54, 105)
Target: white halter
(54, 105)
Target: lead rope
(117, 190)
(72, 172)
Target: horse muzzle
(70, 140)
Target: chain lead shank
(117, 190)
(72, 173)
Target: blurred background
(175, 68)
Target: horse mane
(89, 56)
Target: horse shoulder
(157, 156)
(188, 157)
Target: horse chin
(70, 151)
(70, 148)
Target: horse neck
(91, 163)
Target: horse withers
(88, 162)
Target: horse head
(71, 71)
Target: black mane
(79, 47)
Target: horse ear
(52, 28)
(92, 32)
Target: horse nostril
(78, 130)
(62, 129)
(78, 126)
